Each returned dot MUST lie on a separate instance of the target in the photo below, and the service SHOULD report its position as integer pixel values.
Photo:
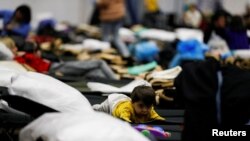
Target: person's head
(192, 7)
(219, 20)
(247, 8)
(143, 98)
(30, 47)
(10, 44)
(22, 14)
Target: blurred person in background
(16, 23)
(112, 13)
(152, 12)
(192, 17)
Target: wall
(75, 11)
(79, 11)
(167, 6)
(235, 6)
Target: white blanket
(95, 126)
(45, 90)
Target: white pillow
(75, 48)
(158, 34)
(79, 127)
(242, 53)
(187, 34)
(127, 35)
(93, 44)
(6, 75)
(96, 86)
(5, 52)
(48, 91)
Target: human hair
(146, 94)
(25, 11)
(10, 43)
(192, 5)
(217, 15)
(221, 14)
(237, 24)
(30, 47)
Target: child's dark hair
(25, 11)
(146, 94)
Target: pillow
(158, 34)
(77, 127)
(93, 44)
(184, 34)
(6, 74)
(96, 86)
(242, 53)
(48, 91)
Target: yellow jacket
(151, 5)
(125, 111)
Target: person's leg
(132, 8)
(104, 69)
(71, 68)
(107, 70)
(106, 31)
(83, 68)
(122, 48)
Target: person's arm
(125, 115)
(5, 16)
(22, 30)
(155, 116)
(6, 13)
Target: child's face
(221, 22)
(141, 109)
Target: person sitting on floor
(137, 109)
(16, 23)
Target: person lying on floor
(87, 68)
(135, 109)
